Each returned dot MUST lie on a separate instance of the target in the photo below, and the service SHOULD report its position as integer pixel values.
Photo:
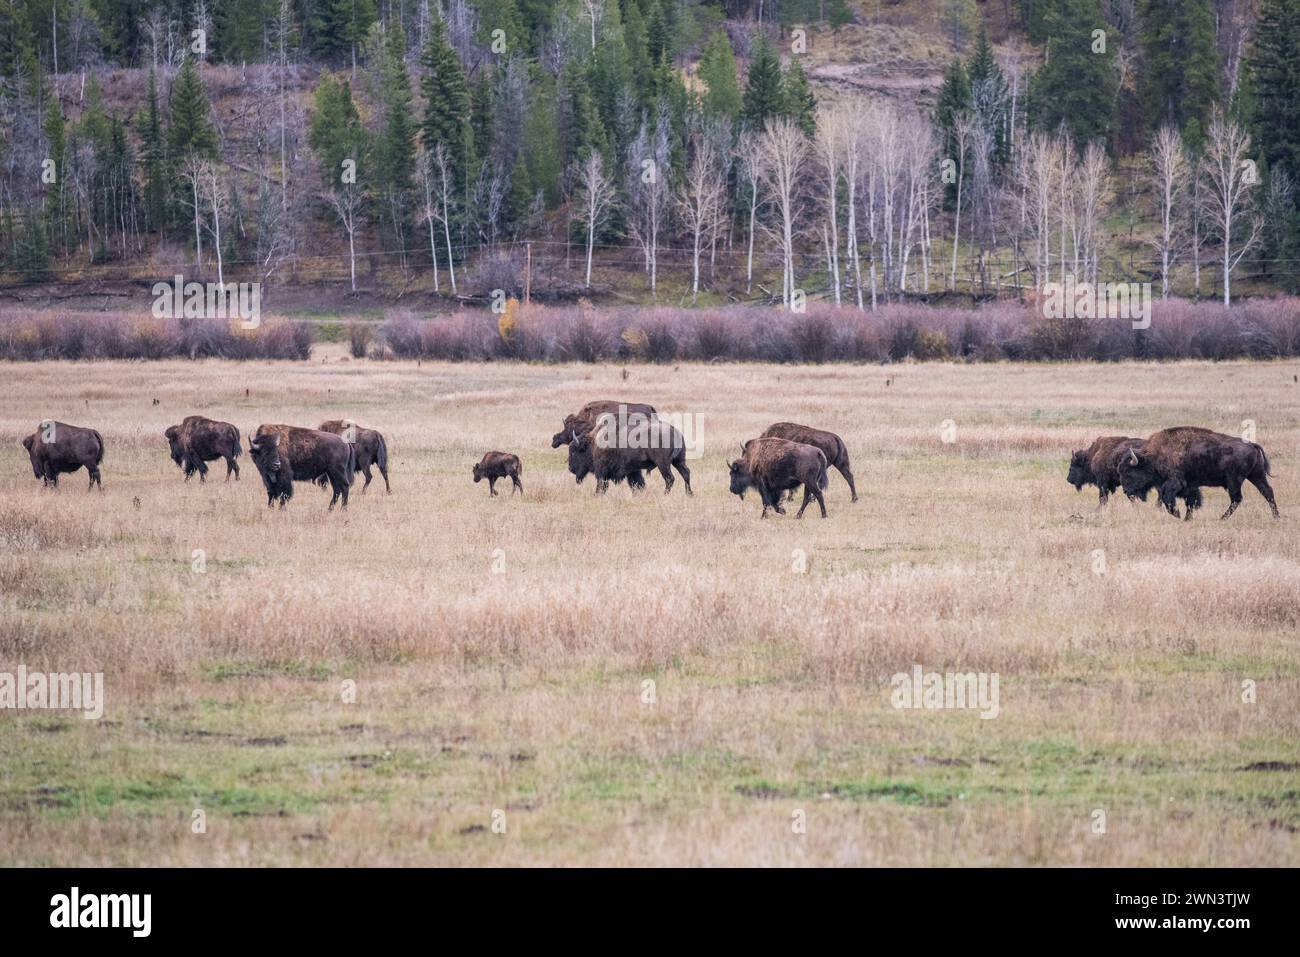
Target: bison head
(1080, 475)
(265, 452)
(580, 463)
(741, 477)
(30, 445)
(560, 438)
(478, 471)
(1138, 474)
(173, 434)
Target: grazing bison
(55, 448)
(310, 453)
(495, 465)
(1178, 462)
(612, 454)
(775, 465)
(371, 448)
(198, 440)
(1098, 465)
(832, 446)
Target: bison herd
(1176, 463)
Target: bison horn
(1132, 457)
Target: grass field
(500, 649)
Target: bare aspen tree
(442, 177)
(752, 173)
(429, 213)
(595, 199)
(699, 198)
(648, 193)
(854, 145)
(833, 124)
(963, 131)
(783, 151)
(282, 28)
(1169, 181)
(218, 204)
(193, 171)
(1230, 177)
(1092, 178)
(595, 12)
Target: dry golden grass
(521, 690)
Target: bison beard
(775, 465)
(1179, 462)
(70, 448)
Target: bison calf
(55, 448)
(774, 466)
(198, 440)
(495, 465)
(370, 445)
(832, 446)
(1178, 462)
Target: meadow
(437, 677)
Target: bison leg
(383, 470)
(1169, 496)
(232, 467)
(492, 485)
(684, 472)
(1103, 494)
(1265, 490)
(516, 485)
(667, 473)
(1234, 493)
(635, 480)
(95, 478)
(807, 497)
(848, 477)
(366, 472)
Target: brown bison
(1098, 465)
(495, 465)
(198, 440)
(1178, 462)
(305, 455)
(775, 465)
(832, 446)
(613, 454)
(371, 448)
(55, 448)
(585, 418)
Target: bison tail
(350, 475)
(1263, 460)
(381, 455)
(238, 442)
(822, 478)
(99, 457)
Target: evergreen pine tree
(764, 97)
(718, 71)
(153, 159)
(798, 101)
(1076, 84)
(1180, 75)
(447, 104)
